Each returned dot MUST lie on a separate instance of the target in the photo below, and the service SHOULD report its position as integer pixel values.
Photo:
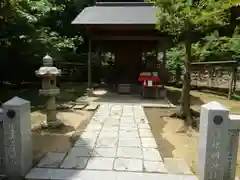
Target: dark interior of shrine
(130, 59)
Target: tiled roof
(118, 13)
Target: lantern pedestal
(52, 121)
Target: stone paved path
(117, 144)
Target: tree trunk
(185, 111)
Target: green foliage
(191, 21)
(215, 47)
(27, 21)
(211, 48)
(31, 28)
(175, 57)
(179, 18)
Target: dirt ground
(183, 145)
(58, 140)
(200, 97)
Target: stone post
(213, 143)
(233, 135)
(2, 166)
(17, 137)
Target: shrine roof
(127, 13)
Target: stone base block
(52, 124)
(73, 174)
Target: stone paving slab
(149, 143)
(107, 134)
(104, 152)
(92, 106)
(151, 154)
(129, 142)
(128, 134)
(153, 166)
(107, 142)
(100, 163)
(87, 142)
(145, 133)
(128, 164)
(73, 174)
(75, 162)
(51, 160)
(177, 166)
(80, 151)
(129, 152)
(80, 106)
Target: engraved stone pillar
(17, 137)
(219, 139)
(233, 135)
(213, 141)
(2, 166)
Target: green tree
(215, 47)
(29, 29)
(186, 21)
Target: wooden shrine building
(127, 29)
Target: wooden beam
(122, 38)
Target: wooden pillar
(230, 90)
(235, 78)
(89, 63)
(99, 62)
(164, 57)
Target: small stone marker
(218, 145)
(17, 137)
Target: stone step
(91, 107)
(73, 174)
(51, 160)
(177, 166)
(79, 106)
(81, 100)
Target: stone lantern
(49, 73)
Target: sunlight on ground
(100, 92)
(199, 98)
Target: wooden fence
(216, 74)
